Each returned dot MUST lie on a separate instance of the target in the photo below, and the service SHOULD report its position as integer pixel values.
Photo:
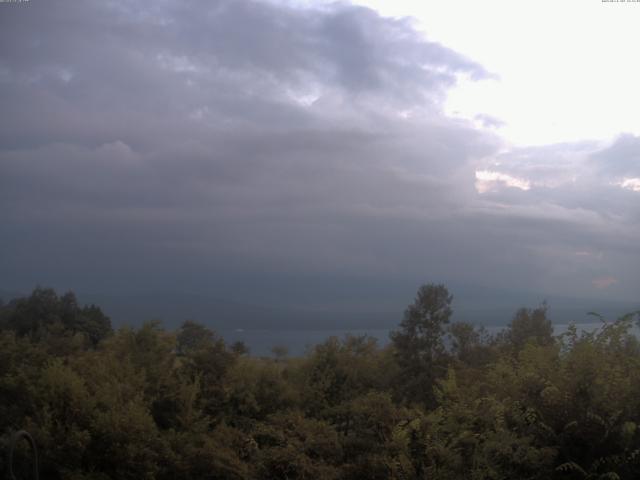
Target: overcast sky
(232, 145)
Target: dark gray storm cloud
(196, 145)
(581, 210)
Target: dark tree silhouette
(418, 342)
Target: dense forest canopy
(442, 401)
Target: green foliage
(471, 345)
(44, 314)
(204, 356)
(530, 326)
(419, 342)
(289, 445)
(258, 388)
(147, 403)
(339, 370)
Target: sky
(317, 152)
(563, 71)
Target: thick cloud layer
(216, 145)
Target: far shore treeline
(442, 400)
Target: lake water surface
(260, 342)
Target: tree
(418, 342)
(44, 314)
(280, 352)
(530, 326)
(340, 370)
(204, 356)
(193, 336)
(470, 344)
(240, 348)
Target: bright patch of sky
(487, 179)
(631, 184)
(565, 70)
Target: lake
(260, 342)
